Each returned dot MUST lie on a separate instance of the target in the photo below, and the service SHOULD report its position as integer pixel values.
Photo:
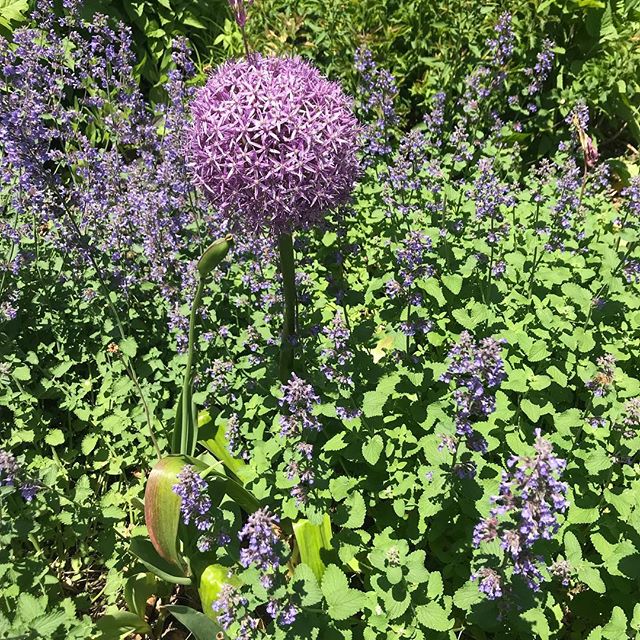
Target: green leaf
(538, 351)
(162, 507)
(129, 347)
(372, 449)
(116, 625)
(312, 539)
(357, 511)
(219, 446)
(453, 282)
(616, 628)
(142, 549)
(210, 583)
(54, 437)
(433, 616)
(310, 592)
(343, 602)
(467, 595)
(197, 623)
(336, 443)
(591, 577)
(572, 548)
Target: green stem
(187, 435)
(287, 270)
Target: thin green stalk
(287, 270)
(187, 439)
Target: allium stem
(288, 272)
(187, 435)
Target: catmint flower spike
(214, 255)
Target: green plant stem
(187, 436)
(287, 270)
(116, 315)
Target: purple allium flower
(263, 544)
(476, 369)
(273, 143)
(603, 380)
(526, 509)
(195, 503)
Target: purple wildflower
(12, 474)
(263, 544)
(489, 582)
(336, 357)
(476, 369)
(377, 90)
(273, 143)
(195, 503)
(526, 509)
(298, 400)
(540, 71)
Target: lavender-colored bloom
(631, 271)
(263, 544)
(489, 582)
(336, 357)
(526, 510)
(285, 615)
(630, 427)
(413, 258)
(226, 606)
(273, 143)
(540, 71)
(239, 10)
(12, 474)
(578, 117)
(476, 369)
(377, 91)
(195, 502)
(298, 400)
(562, 570)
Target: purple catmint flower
(227, 605)
(489, 582)
(578, 117)
(298, 401)
(263, 544)
(413, 258)
(631, 271)
(631, 421)
(12, 474)
(561, 570)
(273, 143)
(540, 71)
(603, 379)
(477, 370)
(195, 503)
(284, 615)
(336, 356)
(377, 92)
(530, 499)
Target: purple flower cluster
(195, 502)
(273, 143)
(631, 420)
(298, 401)
(477, 370)
(297, 419)
(12, 474)
(377, 91)
(414, 260)
(118, 201)
(228, 605)
(263, 548)
(540, 71)
(237, 445)
(490, 196)
(530, 499)
(336, 356)
(603, 379)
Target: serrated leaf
(467, 595)
(433, 616)
(89, 443)
(343, 601)
(311, 593)
(129, 347)
(372, 449)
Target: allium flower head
(273, 143)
